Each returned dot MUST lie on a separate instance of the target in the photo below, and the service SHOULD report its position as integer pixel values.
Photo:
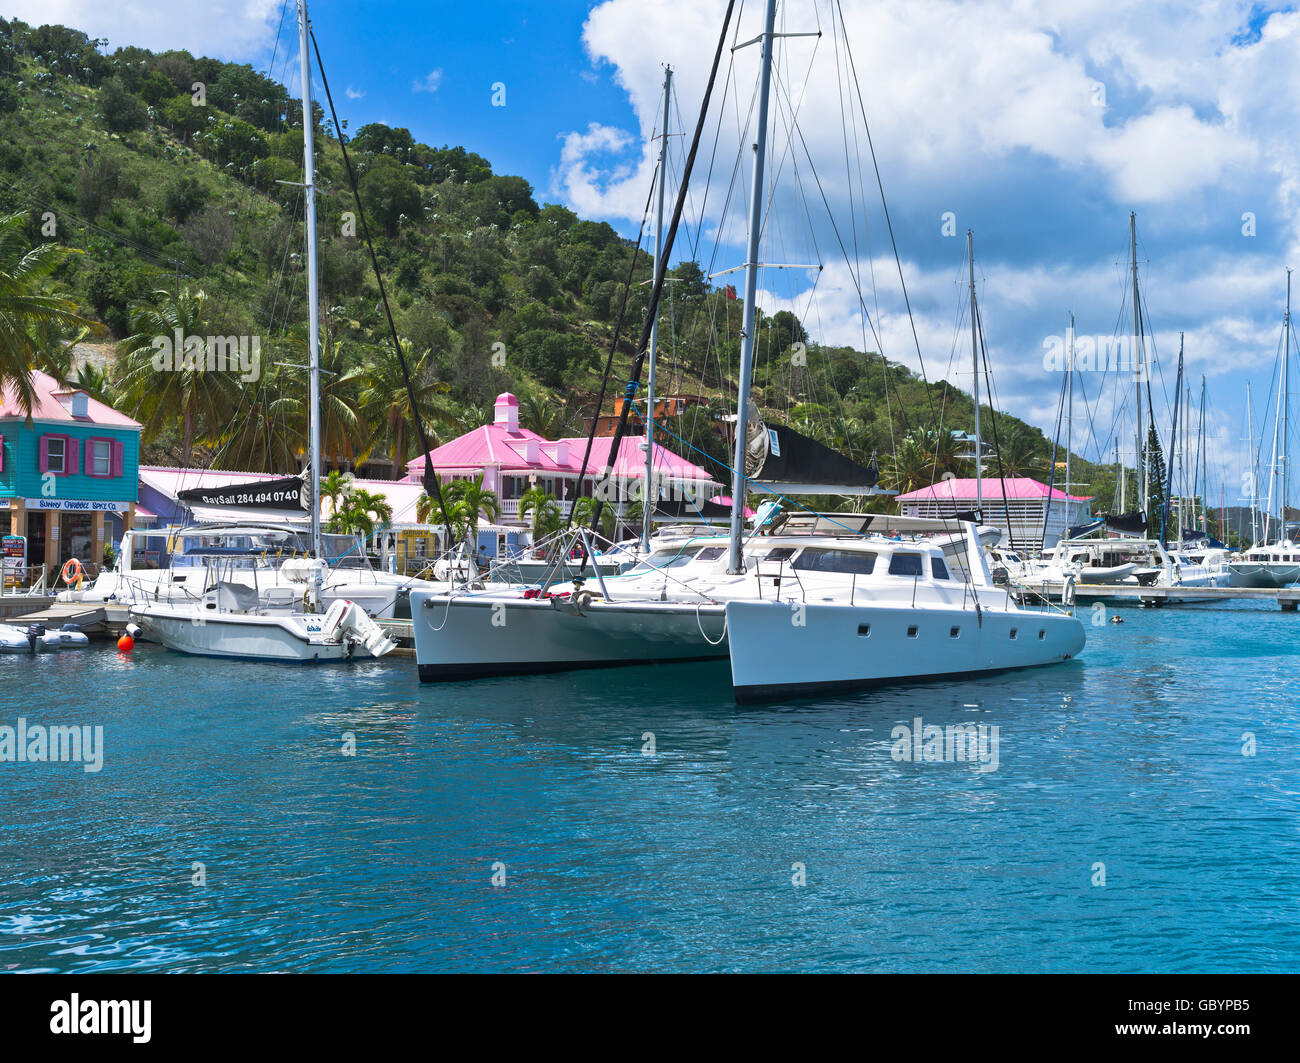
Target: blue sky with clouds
(1038, 124)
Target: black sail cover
(1132, 523)
(778, 454)
(287, 493)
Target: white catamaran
(819, 602)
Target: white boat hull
(1262, 574)
(295, 638)
(777, 650)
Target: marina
(693, 565)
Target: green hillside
(184, 210)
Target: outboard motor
(35, 632)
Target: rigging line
(1051, 481)
(429, 475)
(885, 206)
(993, 417)
(613, 348)
(634, 378)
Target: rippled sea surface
(1127, 763)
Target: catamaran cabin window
(665, 559)
(858, 562)
(905, 565)
(780, 553)
(710, 553)
(938, 569)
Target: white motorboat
(276, 551)
(229, 622)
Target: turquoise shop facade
(70, 476)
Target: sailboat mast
(1140, 466)
(1286, 402)
(313, 298)
(738, 482)
(975, 366)
(1069, 409)
(1254, 470)
(651, 495)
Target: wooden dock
(96, 619)
(1287, 598)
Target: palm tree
(186, 392)
(336, 486)
(362, 511)
(268, 431)
(584, 509)
(340, 425)
(543, 415)
(24, 310)
(467, 500)
(386, 404)
(545, 510)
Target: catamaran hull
(260, 638)
(474, 638)
(781, 650)
(1262, 574)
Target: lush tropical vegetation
(176, 205)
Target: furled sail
(1134, 523)
(778, 457)
(287, 493)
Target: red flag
(731, 291)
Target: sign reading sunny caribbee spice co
(74, 505)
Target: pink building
(513, 459)
(1031, 506)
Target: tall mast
(1120, 471)
(313, 298)
(1140, 467)
(1202, 473)
(1254, 471)
(1069, 410)
(651, 495)
(1286, 402)
(975, 366)
(767, 40)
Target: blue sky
(1039, 125)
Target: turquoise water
(613, 860)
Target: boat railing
(31, 582)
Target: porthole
(913, 631)
(954, 632)
(864, 629)
(1014, 632)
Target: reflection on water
(264, 817)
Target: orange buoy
(125, 644)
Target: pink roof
(963, 489)
(47, 406)
(631, 458)
(497, 445)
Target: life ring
(71, 571)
